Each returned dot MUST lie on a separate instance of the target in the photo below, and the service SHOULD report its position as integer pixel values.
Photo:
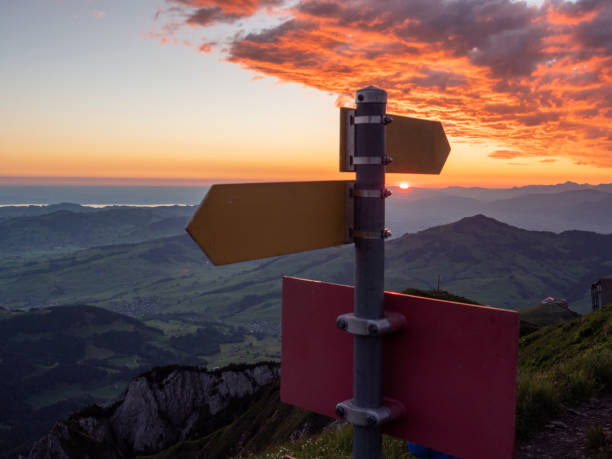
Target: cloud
(206, 47)
(207, 12)
(505, 154)
(527, 78)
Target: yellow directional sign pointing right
(247, 221)
(415, 146)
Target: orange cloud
(533, 81)
(505, 154)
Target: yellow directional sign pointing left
(247, 221)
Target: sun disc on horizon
(404, 185)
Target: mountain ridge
(477, 257)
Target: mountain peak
(478, 224)
(480, 221)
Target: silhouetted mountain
(477, 257)
(587, 209)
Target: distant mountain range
(560, 208)
(60, 228)
(478, 257)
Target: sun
(404, 185)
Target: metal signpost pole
(297, 216)
(369, 234)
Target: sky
(207, 91)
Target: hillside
(476, 257)
(67, 227)
(54, 360)
(548, 313)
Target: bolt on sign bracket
(371, 417)
(371, 193)
(370, 119)
(382, 234)
(392, 322)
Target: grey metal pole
(369, 263)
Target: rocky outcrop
(160, 408)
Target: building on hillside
(558, 301)
(601, 292)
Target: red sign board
(453, 367)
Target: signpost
(452, 369)
(438, 373)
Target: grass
(596, 438)
(546, 314)
(110, 392)
(563, 365)
(336, 443)
(172, 327)
(251, 350)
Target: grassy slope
(563, 365)
(559, 365)
(546, 314)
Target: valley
(93, 297)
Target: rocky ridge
(160, 408)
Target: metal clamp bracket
(369, 160)
(348, 153)
(359, 234)
(392, 322)
(371, 417)
(372, 119)
(369, 193)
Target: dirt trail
(566, 437)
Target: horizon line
(206, 182)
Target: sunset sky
(202, 91)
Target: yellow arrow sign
(416, 146)
(247, 221)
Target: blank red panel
(453, 367)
